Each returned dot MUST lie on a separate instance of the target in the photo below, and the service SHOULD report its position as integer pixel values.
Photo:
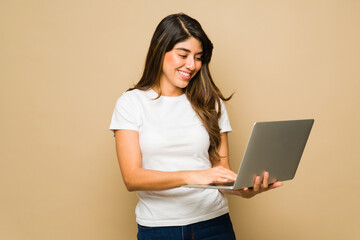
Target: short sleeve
(224, 122)
(125, 115)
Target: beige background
(63, 64)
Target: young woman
(171, 130)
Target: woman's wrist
(188, 177)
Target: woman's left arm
(258, 187)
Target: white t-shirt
(172, 138)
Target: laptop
(275, 147)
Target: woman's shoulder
(129, 94)
(136, 93)
(134, 96)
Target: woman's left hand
(257, 188)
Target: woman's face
(180, 65)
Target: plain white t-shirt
(172, 138)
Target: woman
(171, 130)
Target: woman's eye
(182, 56)
(199, 58)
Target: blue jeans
(219, 228)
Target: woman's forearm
(147, 180)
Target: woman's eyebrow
(187, 50)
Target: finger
(226, 173)
(222, 180)
(257, 183)
(230, 173)
(227, 170)
(276, 184)
(265, 183)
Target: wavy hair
(201, 91)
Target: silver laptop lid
(275, 147)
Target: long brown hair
(201, 91)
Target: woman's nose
(190, 63)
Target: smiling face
(180, 65)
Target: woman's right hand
(216, 174)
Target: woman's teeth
(184, 74)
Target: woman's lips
(184, 75)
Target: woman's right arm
(137, 178)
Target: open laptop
(275, 147)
